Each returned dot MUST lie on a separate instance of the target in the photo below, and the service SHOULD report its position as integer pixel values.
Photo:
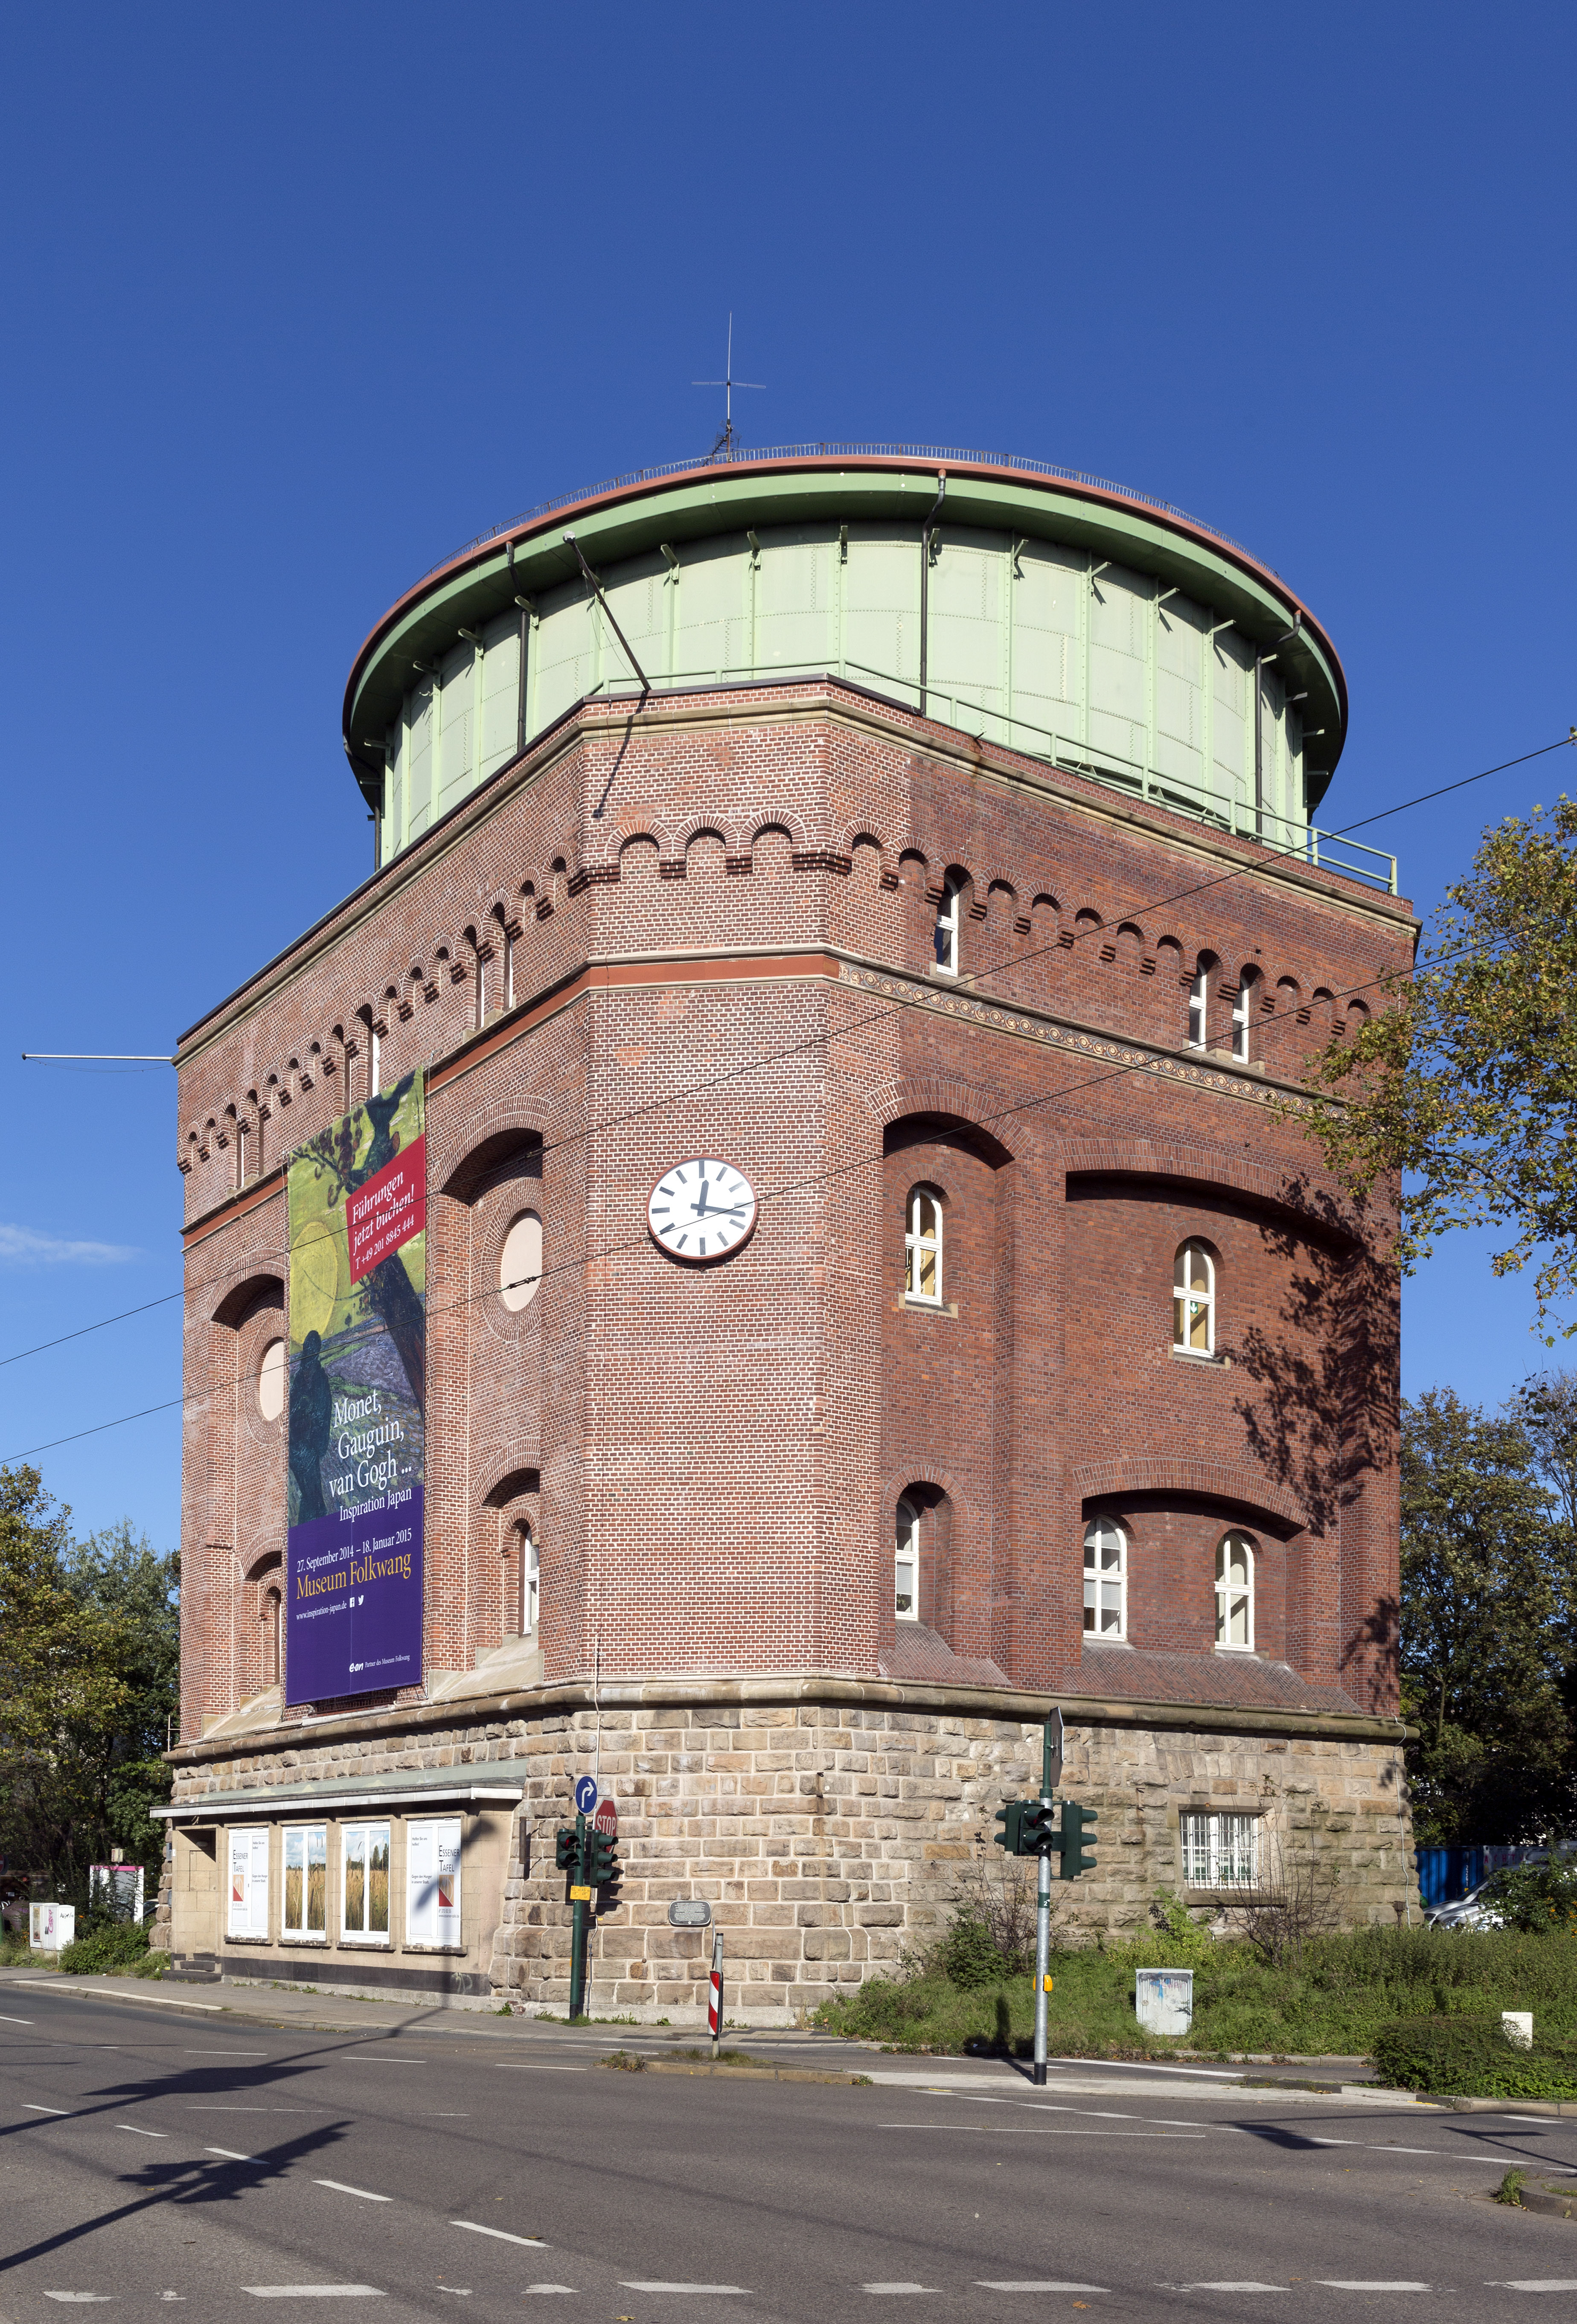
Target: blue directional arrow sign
(585, 1795)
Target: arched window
(923, 1247)
(1106, 1579)
(906, 1564)
(1193, 1301)
(949, 913)
(527, 1570)
(272, 1377)
(520, 1262)
(1241, 1007)
(1234, 1592)
(1199, 1005)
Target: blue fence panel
(1445, 1874)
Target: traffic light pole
(1042, 1920)
(578, 1911)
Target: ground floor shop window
(364, 1902)
(248, 1885)
(306, 1898)
(432, 1908)
(1221, 1851)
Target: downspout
(926, 581)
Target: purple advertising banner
(357, 1326)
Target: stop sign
(606, 1819)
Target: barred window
(1221, 1851)
(1193, 1301)
(1106, 1579)
(1234, 1592)
(923, 1248)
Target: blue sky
(298, 300)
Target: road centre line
(1225, 2287)
(28, 2108)
(1040, 2130)
(1088, 2114)
(15, 2021)
(315, 2290)
(895, 2287)
(140, 2132)
(1361, 2283)
(230, 2154)
(985, 2283)
(1535, 2283)
(631, 2283)
(340, 2188)
(536, 2066)
(502, 2235)
(79, 2295)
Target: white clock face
(702, 1211)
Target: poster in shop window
(432, 1909)
(357, 1198)
(248, 1882)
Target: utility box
(51, 1926)
(1164, 1999)
(1516, 2024)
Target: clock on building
(701, 1211)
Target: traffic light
(1010, 1817)
(1078, 1825)
(602, 1858)
(1038, 1828)
(564, 1848)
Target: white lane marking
(551, 2287)
(895, 2287)
(633, 2283)
(187, 2052)
(227, 2109)
(1535, 2283)
(340, 2188)
(230, 2154)
(315, 2290)
(1224, 2287)
(461, 2292)
(79, 2295)
(985, 2283)
(475, 2227)
(28, 2108)
(1040, 2130)
(351, 2058)
(24, 2021)
(534, 2066)
(108, 1993)
(1362, 2283)
(1088, 2114)
(139, 2131)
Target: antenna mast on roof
(724, 447)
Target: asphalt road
(152, 2160)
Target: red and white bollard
(714, 1998)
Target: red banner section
(388, 1210)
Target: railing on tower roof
(930, 453)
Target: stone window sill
(459, 1950)
(1193, 1356)
(925, 1307)
(230, 1939)
(298, 1937)
(1095, 1639)
(360, 1945)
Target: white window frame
(356, 1843)
(375, 1063)
(945, 938)
(531, 1584)
(1185, 1297)
(1199, 1008)
(1220, 1850)
(906, 1553)
(509, 969)
(1228, 1590)
(240, 1154)
(433, 1872)
(305, 1833)
(246, 1853)
(1097, 1533)
(1242, 1007)
(916, 1243)
(481, 989)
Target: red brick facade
(735, 956)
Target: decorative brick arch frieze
(1216, 1480)
(1315, 1200)
(779, 819)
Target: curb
(1551, 2110)
(738, 2073)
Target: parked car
(1467, 1912)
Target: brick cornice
(1220, 1480)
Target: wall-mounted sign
(357, 1194)
(586, 1794)
(689, 1913)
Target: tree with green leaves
(1485, 1642)
(1465, 1084)
(89, 1658)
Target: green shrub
(115, 1947)
(969, 1957)
(1471, 2057)
(1539, 1899)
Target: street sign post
(579, 1906)
(1051, 1752)
(714, 1998)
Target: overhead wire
(921, 999)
